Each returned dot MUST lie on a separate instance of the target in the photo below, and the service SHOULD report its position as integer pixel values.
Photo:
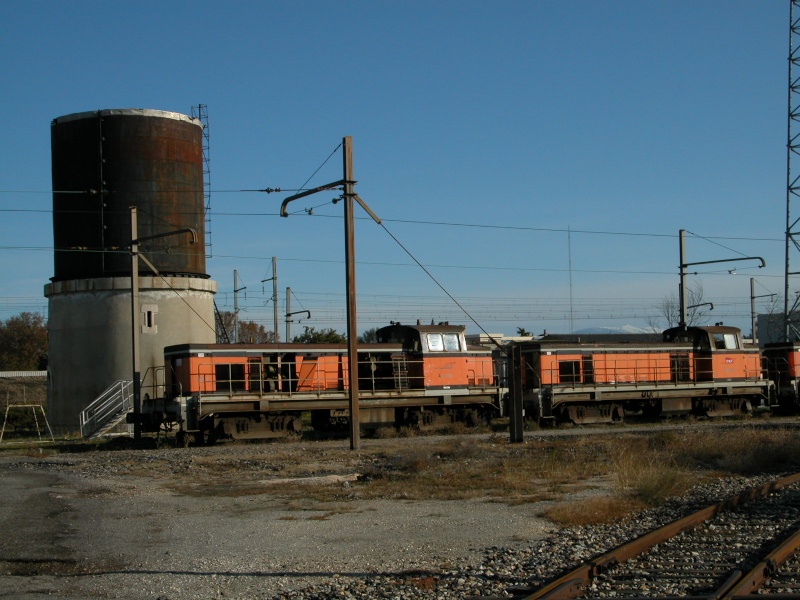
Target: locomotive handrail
(311, 375)
(617, 373)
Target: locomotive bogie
(254, 426)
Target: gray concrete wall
(90, 343)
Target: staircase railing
(108, 409)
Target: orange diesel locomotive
(694, 370)
(415, 375)
(783, 369)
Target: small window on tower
(149, 312)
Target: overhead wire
(310, 212)
(458, 224)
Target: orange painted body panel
(794, 363)
(198, 373)
(317, 373)
(560, 368)
(445, 371)
(736, 365)
(480, 370)
(631, 368)
(606, 367)
(549, 373)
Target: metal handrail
(316, 379)
(610, 373)
(115, 400)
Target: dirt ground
(228, 521)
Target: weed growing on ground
(588, 478)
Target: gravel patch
(159, 524)
(93, 527)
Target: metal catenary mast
(792, 181)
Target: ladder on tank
(107, 410)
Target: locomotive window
(725, 341)
(451, 342)
(435, 343)
(443, 342)
(569, 371)
(230, 377)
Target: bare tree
(669, 309)
(774, 325)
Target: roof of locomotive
(432, 328)
(603, 346)
(603, 338)
(402, 333)
(284, 348)
(630, 342)
(700, 331)
(708, 328)
(793, 344)
(410, 335)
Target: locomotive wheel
(471, 418)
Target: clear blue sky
(538, 157)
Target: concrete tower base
(90, 343)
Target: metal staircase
(107, 410)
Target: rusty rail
(572, 584)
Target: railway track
(746, 545)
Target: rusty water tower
(103, 163)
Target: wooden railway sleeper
(766, 568)
(572, 584)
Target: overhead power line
(309, 212)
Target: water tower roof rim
(126, 112)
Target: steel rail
(572, 584)
(766, 569)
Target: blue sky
(538, 157)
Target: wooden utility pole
(135, 256)
(352, 318)
(275, 298)
(288, 314)
(347, 184)
(137, 380)
(276, 336)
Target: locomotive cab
(718, 353)
(438, 357)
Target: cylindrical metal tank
(105, 162)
